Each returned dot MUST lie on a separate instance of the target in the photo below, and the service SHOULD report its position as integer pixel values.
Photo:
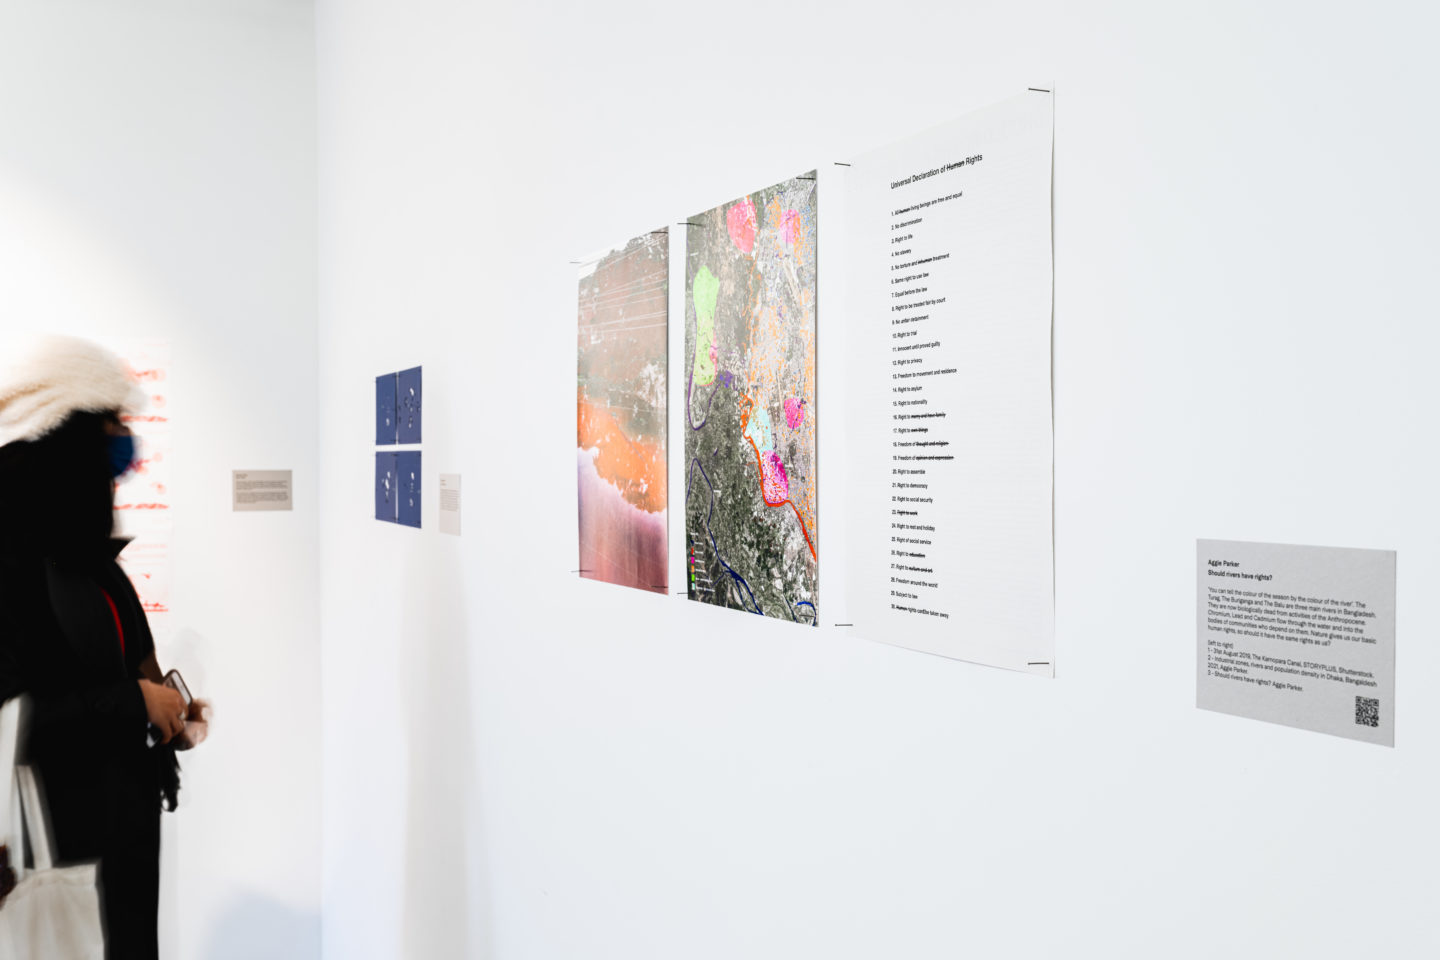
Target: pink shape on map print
(794, 412)
(740, 221)
(774, 483)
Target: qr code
(1367, 712)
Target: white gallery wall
(157, 181)
(522, 764)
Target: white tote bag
(52, 912)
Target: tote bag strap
(10, 828)
(37, 826)
(22, 815)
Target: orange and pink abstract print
(620, 420)
(752, 536)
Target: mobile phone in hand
(175, 682)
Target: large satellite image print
(750, 494)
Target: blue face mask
(122, 454)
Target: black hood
(57, 497)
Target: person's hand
(165, 708)
(197, 726)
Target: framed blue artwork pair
(398, 421)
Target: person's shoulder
(22, 581)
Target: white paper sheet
(950, 454)
(450, 504)
(143, 496)
(261, 490)
(1303, 636)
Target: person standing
(73, 635)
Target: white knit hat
(46, 380)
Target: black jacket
(87, 725)
(87, 730)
